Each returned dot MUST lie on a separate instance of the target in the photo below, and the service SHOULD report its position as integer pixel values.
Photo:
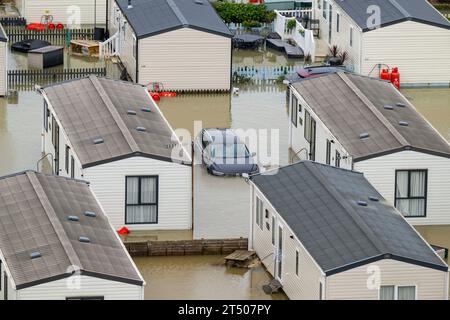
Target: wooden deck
(241, 259)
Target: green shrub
(240, 12)
(251, 24)
(291, 24)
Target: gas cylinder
(385, 75)
(395, 78)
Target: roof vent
(146, 109)
(199, 1)
(35, 254)
(131, 112)
(401, 105)
(388, 107)
(73, 218)
(362, 203)
(90, 214)
(375, 199)
(130, 6)
(364, 135)
(403, 123)
(84, 239)
(99, 141)
(141, 129)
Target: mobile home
(58, 244)
(366, 124)
(325, 233)
(112, 134)
(409, 34)
(181, 44)
(88, 12)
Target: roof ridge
(397, 135)
(349, 209)
(116, 116)
(399, 7)
(53, 218)
(177, 12)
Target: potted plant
(291, 24)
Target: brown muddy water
(203, 278)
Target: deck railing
(110, 47)
(54, 36)
(304, 38)
(263, 72)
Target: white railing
(304, 38)
(263, 72)
(110, 47)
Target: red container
(385, 75)
(395, 78)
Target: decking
(291, 51)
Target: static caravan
(366, 124)
(88, 12)
(58, 244)
(181, 44)
(112, 134)
(326, 233)
(409, 34)
(3, 62)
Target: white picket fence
(238, 28)
(304, 38)
(264, 72)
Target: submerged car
(311, 72)
(224, 154)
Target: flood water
(203, 278)
(221, 204)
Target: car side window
(204, 141)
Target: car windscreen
(238, 150)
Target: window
(328, 154)
(294, 110)
(66, 160)
(397, 293)
(325, 9)
(134, 47)
(411, 192)
(273, 230)
(55, 132)
(307, 131)
(259, 212)
(141, 195)
(351, 36)
(5, 286)
(337, 160)
(387, 292)
(85, 298)
(46, 116)
(297, 261)
(338, 21)
(0, 275)
(320, 290)
(319, 4)
(72, 167)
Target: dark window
(46, 116)
(411, 192)
(5, 284)
(328, 154)
(320, 290)
(351, 37)
(66, 161)
(259, 212)
(141, 197)
(55, 141)
(337, 160)
(297, 261)
(294, 110)
(325, 9)
(85, 298)
(72, 167)
(0, 275)
(273, 230)
(338, 18)
(310, 134)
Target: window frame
(337, 159)
(297, 262)
(46, 115)
(85, 298)
(139, 199)
(259, 207)
(328, 152)
(66, 159)
(294, 110)
(425, 197)
(396, 287)
(273, 230)
(134, 46)
(325, 9)
(1, 275)
(338, 22)
(351, 36)
(72, 167)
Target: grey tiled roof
(94, 108)
(319, 203)
(393, 11)
(34, 210)
(150, 17)
(350, 105)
